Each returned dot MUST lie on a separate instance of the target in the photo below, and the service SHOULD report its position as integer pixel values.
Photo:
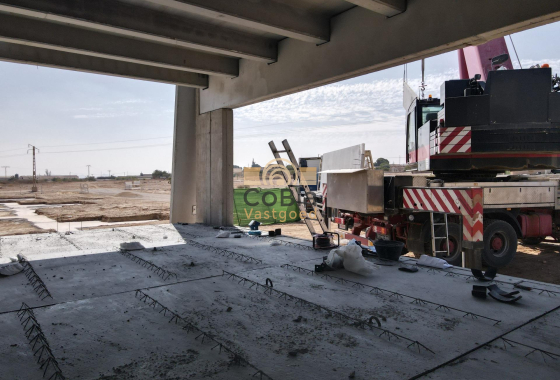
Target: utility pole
(34, 187)
(109, 174)
(5, 171)
(88, 170)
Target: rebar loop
(343, 317)
(204, 336)
(283, 242)
(223, 252)
(34, 280)
(380, 291)
(39, 344)
(163, 273)
(469, 276)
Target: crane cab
(421, 120)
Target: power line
(111, 142)
(97, 150)
(95, 143)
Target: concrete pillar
(202, 184)
(183, 184)
(214, 176)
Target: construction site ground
(192, 306)
(108, 205)
(63, 206)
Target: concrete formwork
(306, 326)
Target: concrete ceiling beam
(59, 59)
(143, 23)
(363, 42)
(385, 7)
(33, 32)
(265, 15)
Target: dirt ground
(19, 226)
(108, 201)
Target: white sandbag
(434, 262)
(354, 261)
(333, 260)
(10, 269)
(5, 260)
(223, 234)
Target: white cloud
(105, 115)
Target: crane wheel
(500, 243)
(455, 240)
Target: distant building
(50, 177)
(396, 168)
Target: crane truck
(455, 200)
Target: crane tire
(500, 243)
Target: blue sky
(123, 125)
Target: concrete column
(183, 184)
(214, 176)
(202, 184)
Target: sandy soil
(109, 202)
(106, 201)
(20, 227)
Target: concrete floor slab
(119, 337)
(99, 330)
(33, 244)
(16, 357)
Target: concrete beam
(363, 42)
(116, 17)
(385, 7)
(183, 187)
(59, 59)
(266, 15)
(32, 32)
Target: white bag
(333, 260)
(354, 261)
(223, 234)
(435, 262)
(10, 269)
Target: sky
(126, 126)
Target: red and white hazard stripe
(454, 139)
(324, 194)
(466, 202)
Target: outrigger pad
(499, 295)
(495, 288)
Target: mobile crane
(455, 200)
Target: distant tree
(48, 172)
(160, 174)
(236, 167)
(381, 164)
(141, 174)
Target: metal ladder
(294, 188)
(436, 238)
